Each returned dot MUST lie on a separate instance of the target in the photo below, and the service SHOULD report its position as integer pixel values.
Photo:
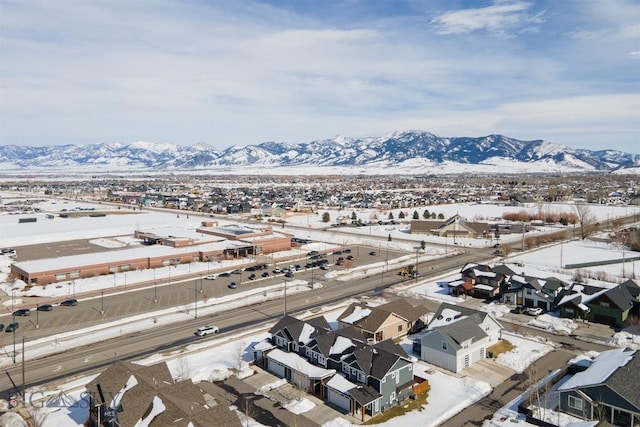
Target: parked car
(69, 302)
(1, 327)
(519, 309)
(372, 253)
(415, 275)
(12, 327)
(236, 271)
(45, 307)
(232, 285)
(288, 274)
(206, 330)
(265, 274)
(210, 277)
(22, 312)
(534, 311)
(324, 267)
(225, 274)
(350, 258)
(346, 251)
(277, 270)
(252, 276)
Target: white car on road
(210, 277)
(206, 330)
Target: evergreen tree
(326, 217)
(416, 215)
(426, 214)
(390, 215)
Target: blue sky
(244, 72)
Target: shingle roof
(376, 360)
(621, 297)
(463, 330)
(622, 381)
(294, 327)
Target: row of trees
(326, 217)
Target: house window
(361, 377)
(399, 328)
(529, 291)
(604, 304)
(295, 346)
(575, 403)
(392, 397)
(444, 345)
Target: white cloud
(502, 19)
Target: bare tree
(586, 219)
(237, 355)
(183, 369)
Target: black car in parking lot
(22, 312)
(45, 307)
(265, 274)
(12, 327)
(232, 285)
(72, 302)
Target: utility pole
(285, 297)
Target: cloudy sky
(244, 72)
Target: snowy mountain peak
(412, 151)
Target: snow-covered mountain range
(399, 152)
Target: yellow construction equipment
(406, 271)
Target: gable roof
(371, 318)
(300, 330)
(463, 330)
(620, 297)
(450, 313)
(337, 343)
(603, 368)
(376, 360)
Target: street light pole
(101, 302)
(195, 295)
(155, 292)
(14, 338)
(37, 311)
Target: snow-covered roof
(447, 317)
(299, 364)
(73, 261)
(603, 366)
(340, 345)
(305, 334)
(265, 344)
(484, 287)
(480, 273)
(340, 383)
(358, 314)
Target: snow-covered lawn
(526, 351)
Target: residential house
(328, 349)
(534, 292)
(614, 306)
(292, 335)
(485, 280)
(298, 371)
(606, 391)
(457, 337)
(391, 320)
(128, 394)
(386, 368)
